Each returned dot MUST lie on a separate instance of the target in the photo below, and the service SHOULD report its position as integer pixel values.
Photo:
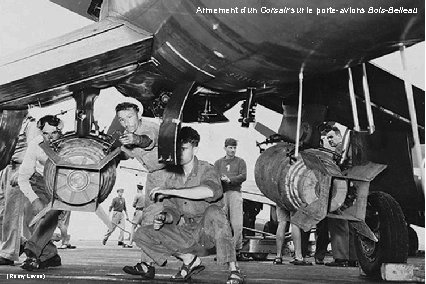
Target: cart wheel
(259, 256)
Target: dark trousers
(322, 240)
(40, 243)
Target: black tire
(413, 242)
(385, 218)
(259, 256)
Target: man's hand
(37, 206)
(225, 178)
(157, 194)
(129, 139)
(14, 178)
(161, 219)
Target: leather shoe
(352, 263)
(32, 263)
(338, 263)
(319, 261)
(67, 246)
(138, 270)
(5, 261)
(54, 261)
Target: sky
(25, 23)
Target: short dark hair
(51, 120)
(230, 142)
(335, 129)
(125, 106)
(188, 135)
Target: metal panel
(94, 56)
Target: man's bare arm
(196, 193)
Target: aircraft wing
(95, 56)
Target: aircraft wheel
(385, 218)
(413, 242)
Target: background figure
(118, 206)
(3, 182)
(233, 172)
(322, 241)
(63, 223)
(250, 211)
(17, 209)
(138, 204)
(341, 233)
(342, 243)
(300, 239)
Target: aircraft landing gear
(385, 218)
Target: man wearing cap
(118, 206)
(138, 204)
(233, 172)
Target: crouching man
(192, 219)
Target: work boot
(5, 261)
(352, 263)
(319, 261)
(54, 261)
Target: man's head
(51, 127)
(188, 139)
(334, 137)
(120, 192)
(128, 116)
(230, 147)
